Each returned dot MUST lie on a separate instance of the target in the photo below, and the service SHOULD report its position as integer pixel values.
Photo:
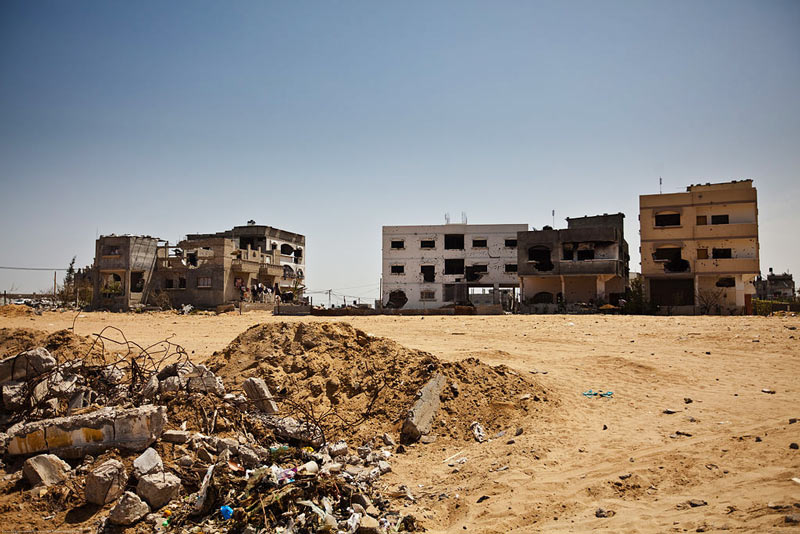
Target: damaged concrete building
(775, 286)
(583, 264)
(204, 270)
(699, 248)
(432, 266)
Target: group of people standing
(259, 293)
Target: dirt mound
(16, 310)
(352, 383)
(63, 344)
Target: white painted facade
(408, 249)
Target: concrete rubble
(258, 393)
(106, 483)
(128, 510)
(45, 470)
(286, 480)
(419, 420)
(78, 435)
(148, 462)
(158, 488)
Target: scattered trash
(595, 394)
(769, 391)
(226, 512)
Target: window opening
(454, 241)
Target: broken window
(288, 272)
(203, 281)
(111, 250)
(668, 219)
(474, 272)
(726, 281)
(719, 219)
(298, 253)
(286, 249)
(568, 252)
(428, 273)
(479, 243)
(137, 282)
(702, 253)
(672, 256)
(112, 285)
(191, 257)
(427, 243)
(454, 266)
(398, 269)
(169, 283)
(454, 241)
(702, 220)
(181, 283)
(585, 254)
(511, 243)
(399, 243)
(511, 267)
(397, 299)
(427, 295)
(540, 256)
(721, 253)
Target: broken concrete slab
(45, 470)
(78, 435)
(14, 395)
(175, 436)
(291, 428)
(258, 393)
(419, 420)
(106, 483)
(208, 383)
(128, 510)
(171, 384)
(147, 463)
(150, 388)
(26, 365)
(158, 488)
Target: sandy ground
(563, 467)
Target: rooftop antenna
(463, 217)
(554, 218)
(447, 218)
(660, 182)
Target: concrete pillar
(563, 289)
(601, 287)
(696, 293)
(739, 291)
(496, 294)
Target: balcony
(723, 231)
(727, 265)
(245, 266)
(270, 270)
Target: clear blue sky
(333, 118)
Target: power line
(30, 269)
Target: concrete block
(258, 393)
(14, 395)
(78, 435)
(420, 417)
(106, 483)
(147, 463)
(158, 488)
(208, 383)
(45, 469)
(171, 384)
(26, 365)
(128, 510)
(175, 436)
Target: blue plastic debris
(226, 511)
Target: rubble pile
(361, 386)
(290, 429)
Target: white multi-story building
(431, 266)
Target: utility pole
(54, 287)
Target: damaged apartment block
(436, 266)
(204, 270)
(700, 248)
(585, 264)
